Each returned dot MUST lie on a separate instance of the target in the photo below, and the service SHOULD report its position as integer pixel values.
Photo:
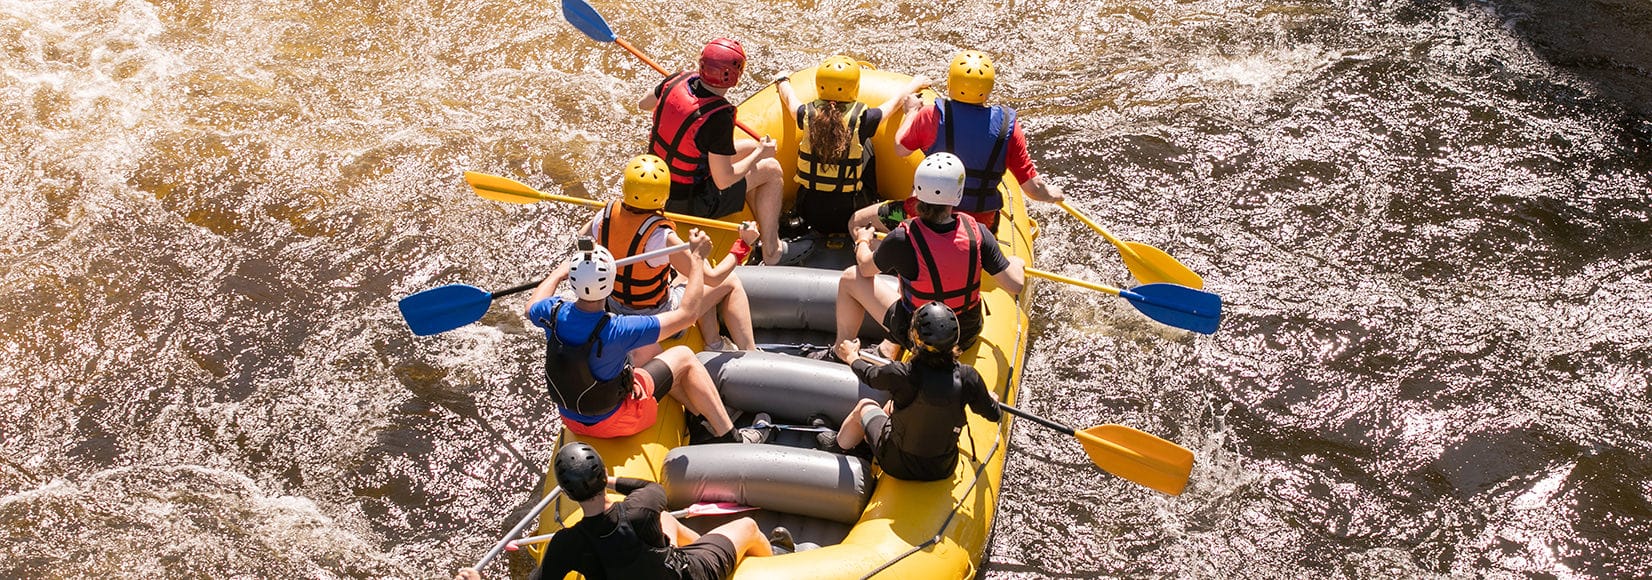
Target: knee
(849, 276)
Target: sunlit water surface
(1428, 220)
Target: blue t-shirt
(624, 333)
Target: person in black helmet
(637, 537)
(915, 436)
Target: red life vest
(949, 265)
(625, 233)
(677, 119)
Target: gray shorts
(673, 299)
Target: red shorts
(633, 414)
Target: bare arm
(680, 318)
(864, 235)
(717, 274)
(908, 92)
(788, 97)
(1014, 277)
(1040, 190)
(648, 102)
(910, 106)
(547, 288)
(726, 170)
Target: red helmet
(721, 62)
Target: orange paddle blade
(1138, 456)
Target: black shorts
(829, 212)
(662, 376)
(898, 463)
(898, 321)
(703, 199)
(709, 558)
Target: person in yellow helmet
(987, 138)
(636, 224)
(834, 152)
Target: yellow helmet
(838, 79)
(647, 182)
(970, 78)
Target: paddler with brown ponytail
(635, 224)
(834, 152)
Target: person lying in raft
(938, 256)
(915, 437)
(635, 537)
(834, 150)
(712, 175)
(587, 364)
(987, 138)
(634, 225)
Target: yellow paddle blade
(1138, 456)
(1150, 265)
(502, 189)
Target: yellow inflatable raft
(901, 529)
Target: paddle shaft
(624, 262)
(1097, 227)
(676, 217)
(517, 529)
(1087, 438)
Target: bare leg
(764, 197)
(748, 540)
(691, 385)
(679, 534)
(852, 433)
(645, 353)
(736, 311)
(857, 296)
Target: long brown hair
(828, 133)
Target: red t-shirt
(922, 134)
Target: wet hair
(828, 133)
(933, 213)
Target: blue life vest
(980, 137)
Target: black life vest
(568, 372)
(623, 552)
(929, 425)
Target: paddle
(1149, 265)
(517, 529)
(1128, 453)
(693, 511)
(1170, 304)
(586, 18)
(509, 190)
(448, 307)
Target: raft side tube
(798, 481)
(797, 298)
(788, 388)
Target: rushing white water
(1429, 222)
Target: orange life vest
(625, 233)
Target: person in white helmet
(935, 256)
(587, 356)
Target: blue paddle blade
(444, 308)
(587, 20)
(1178, 306)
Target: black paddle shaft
(1037, 419)
(514, 290)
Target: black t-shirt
(630, 532)
(897, 255)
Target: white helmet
(591, 273)
(939, 180)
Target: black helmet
(580, 472)
(936, 327)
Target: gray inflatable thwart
(798, 481)
(792, 389)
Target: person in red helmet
(712, 175)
